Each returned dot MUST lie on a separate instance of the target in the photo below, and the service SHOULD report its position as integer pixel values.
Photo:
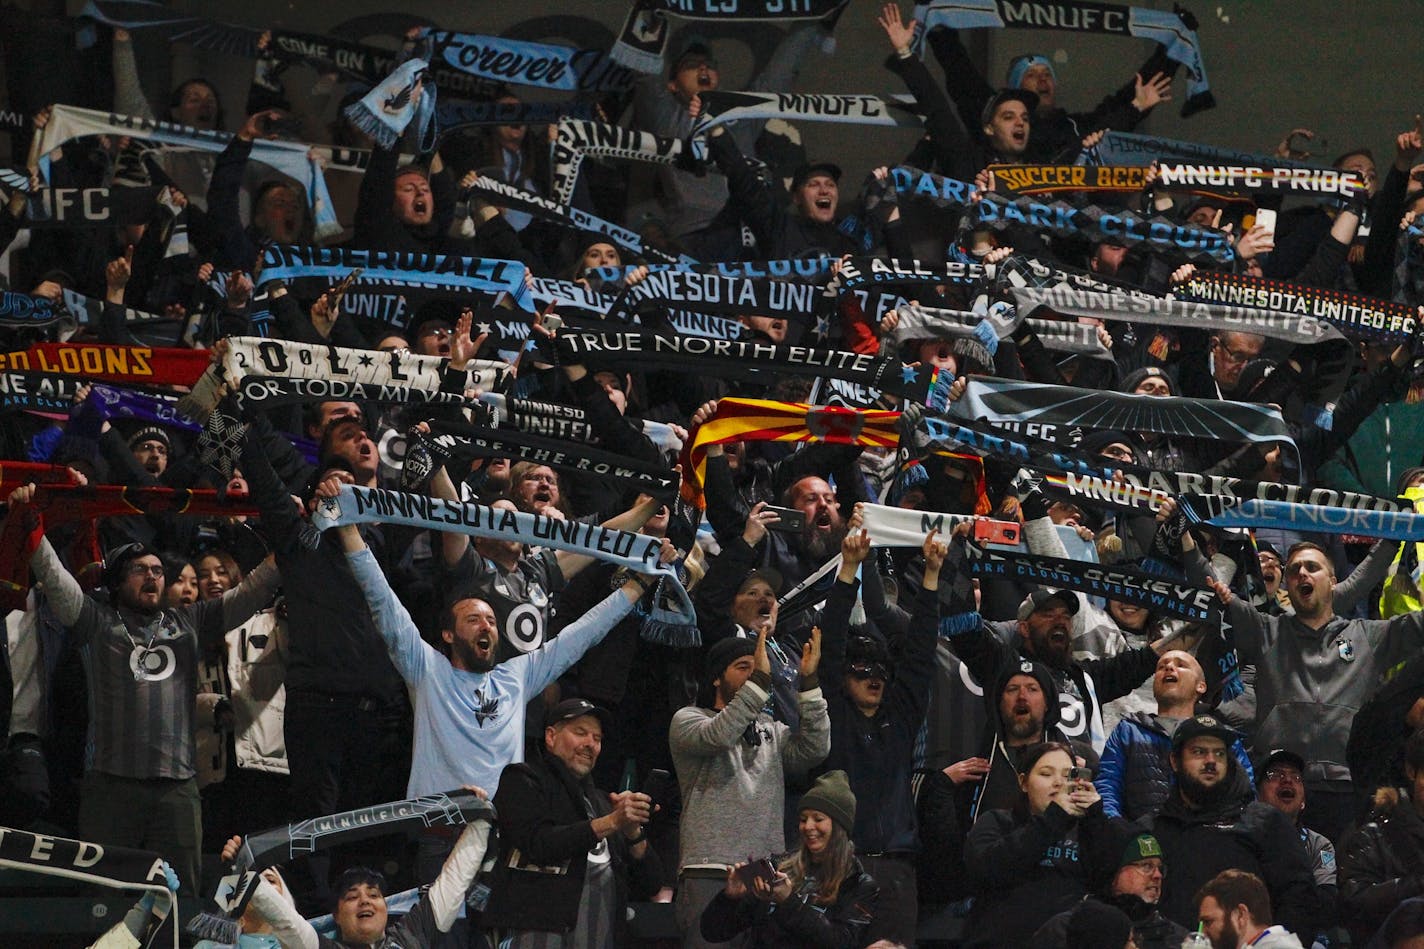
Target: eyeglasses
(1148, 867)
(1233, 355)
(1286, 775)
(438, 331)
(140, 570)
(1118, 452)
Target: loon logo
(485, 708)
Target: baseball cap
(1202, 725)
(1029, 100)
(1280, 756)
(808, 171)
(1038, 599)
(570, 709)
(695, 48)
(771, 577)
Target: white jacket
(251, 678)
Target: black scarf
(446, 440)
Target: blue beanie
(1021, 65)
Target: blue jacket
(1134, 775)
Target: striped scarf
(738, 420)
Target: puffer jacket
(797, 923)
(1134, 773)
(1235, 834)
(1382, 863)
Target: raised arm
(693, 733)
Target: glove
(1032, 501)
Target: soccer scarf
(816, 270)
(642, 42)
(1062, 413)
(1079, 16)
(288, 842)
(1154, 593)
(753, 360)
(446, 440)
(575, 299)
(719, 108)
(1056, 179)
(1256, 179)
(38, 392)
(148, 365)
(710, 293)
(95, 864)
(578, 139)
(453, 116)
(73, 208)
(1220, 511)
(365, 64)
(1290, 326)
(763, 420)
(507, 196)
(1115, 224)
(919, 322)
(1133, 148)
(521, 63)
(108, 402)
(902, 527)
(279, 371)
(567, 422)
(1353, 313)
(396, 101)
(947, 194)
(69, 122)
(858, 272)
(638, 552)
(332, 264)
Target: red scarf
(145, 364)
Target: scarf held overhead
(762, 420)
(446, 440)
(522, 63)
(484, 275)
(1117, 225)
(638, 552)
(1353, 313)
(1153, 593)
(1079, 16)
(1062, 413)
(577, 139)
(719, 108)
(1052, 179)
(642, 42)
(69, 122)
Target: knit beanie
(724, 652)
(1023, 64)
(1095, 925)
(831, 795)
(1133, 379)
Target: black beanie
(1133, 379)
(724, 652)
(1096, 925)
(831, 795)
(1046, 682)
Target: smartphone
(289, 125)
(553, 322)
(753, 869)
(996, 532)
(792, 521)
(1080, 774)
(1266, 217)
(658, 786)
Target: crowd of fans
(882, 750)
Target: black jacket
(545, 834)
(798, 923)
(1150, 929)
(877, 753)
(1239, 835)
(1026, 870)
(1382, 864)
